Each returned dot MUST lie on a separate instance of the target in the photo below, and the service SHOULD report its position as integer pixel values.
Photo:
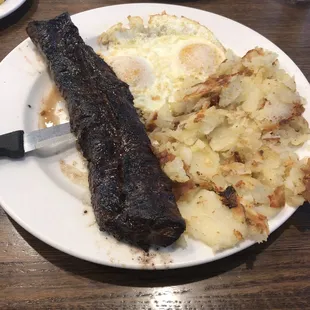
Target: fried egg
(161, 59)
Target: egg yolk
(135, 71)
(199, 58)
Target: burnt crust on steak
(131, 196)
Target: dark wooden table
(273, 275)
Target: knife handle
(12, 144)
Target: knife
(15, 144)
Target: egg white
(160, 60)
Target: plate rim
(12, 9)
(217, 256)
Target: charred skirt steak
(131, 196)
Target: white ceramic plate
(9, 6)
(35, 193)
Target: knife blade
(15, 144)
